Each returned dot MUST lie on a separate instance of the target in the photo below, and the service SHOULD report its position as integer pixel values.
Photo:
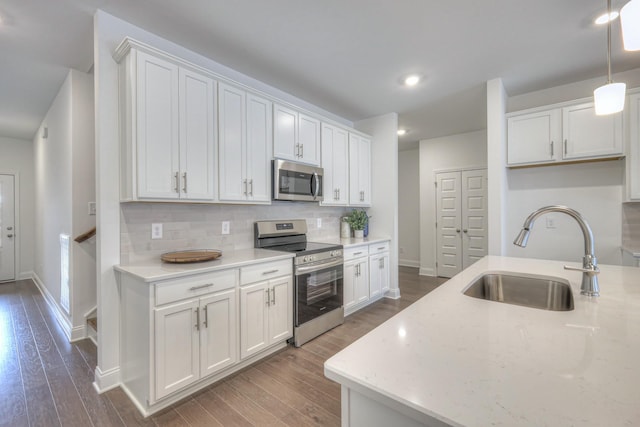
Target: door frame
(435, 205)
(17, 275)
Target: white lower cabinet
(266, 314)
(181, 334)
(633, 160)
(193, 339)
(379, 273)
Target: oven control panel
(319, 256)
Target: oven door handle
(318, 267)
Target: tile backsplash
(199, 226)
(631, 225)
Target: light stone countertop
(471, 362)
(351, 242)
(157, 270)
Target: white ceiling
(346, 56)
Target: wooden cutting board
(198, 255)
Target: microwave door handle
(317, 189)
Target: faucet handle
(593, 270)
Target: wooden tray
(198, 255)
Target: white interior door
(474, 216)
(7, 228)
(448, 217)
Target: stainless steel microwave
(296, 181)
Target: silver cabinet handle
(457, 230)
(552, 149)
(465, 230)
(177, 187)
(268, 296)
(184, 179)
(206, 317)
(357, 253)
(273, 296)
(565, 146)
(269, 272)
(244, 182)
(251, 187)
(338, 194)
(335, 194)
(297, 150)
(195, 288)
(9, 228)
(9, 235)
(301, 150)
(197, 318)
(381, 248)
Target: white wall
(64, 183)
(384, 185)
(409, 207)
(17, 159)
(461, 151)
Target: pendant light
(630, 22)
(609, 98)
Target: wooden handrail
(89, 234)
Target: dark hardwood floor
(47, 381)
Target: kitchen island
(450, 359)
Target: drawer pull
(195, 288)
(381, 248)
(264, 273)
(357, 253)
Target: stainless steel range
(318, 270)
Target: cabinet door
(219, 332)
(197, 154)
(176, 347)
(534, 138)
(362, 281)
(375, 284)
(335, 155)
(259, 148)
(157, 138)
(308, 140)
(385, 273)
(587, 135)
(254, 328)
(281, 309)
(285, 133)
(349, 283)
(359, 171)
(633, 160)
(231, 143)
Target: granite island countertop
(457, 360)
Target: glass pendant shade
(609, 98)
(630, 21)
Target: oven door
(318, 290)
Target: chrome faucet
(589, 268)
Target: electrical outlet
(156, 231)
(319, 222)
(226, 228)
(92, 208)
(550, 222)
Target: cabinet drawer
(190, 286)
(265, 271)
(356, 252)
(376, 248)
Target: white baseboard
(60, 316)
(78, 333)
(393, 293)
(25, 275)
(409, 263)
(427, 272)
(105, 381)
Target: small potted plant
(357, 219)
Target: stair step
(93, 322)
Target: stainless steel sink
(529, 291)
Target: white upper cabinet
(244, 141)
(335, 155)
(534, 137)
(565, 133)
(295, 136)
(586, 135)
(167, 122)
(633, 161)
(359, 170)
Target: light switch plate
(92, 208)
(226, 228)
(550, 222)
(156, 231)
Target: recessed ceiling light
(605, 17)
(402, 132)
(412, 80)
